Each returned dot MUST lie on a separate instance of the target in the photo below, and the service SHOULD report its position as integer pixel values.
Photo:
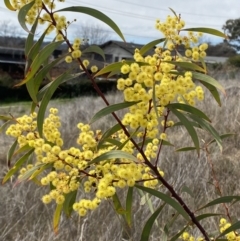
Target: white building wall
(116, 51)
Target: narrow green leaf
(31, 90)
(114, 72)
(33, 85)
(167, 143)
(187, 65)
(112, 155)
(39, 59)
(56, 217)
(3, 117)
(189, 109)
(42, 92)
(174, 13)
(95, 49)
(211, 31)
(209, 80)
(30, 38)
(165, 43)
(9, 5)
(108, 133)
(148, 226)
(110, 109)
(207, 215)
(213, 90)
(233, 227)
(117, 66)
(36, 181)
(22, 149)
(114, 142)
(68, 203)
(33, 172)
(170, 201)
(143, 197)
(150, 205)
(23, 13)
(222, 137)
(208, 127)
(35, 48)
(192, 123)
(47, 96)
(151, 45)
(105, 144)
(117, 205)
(226, 199)
(109, 68)
(187, 190)
(96, 14)
(189, 148)
(203, 64)
(4, 125)
(178, 234)
(188, 126)
(17, 165)
(170, 223)
(129, 201)
(10, 152)
(38, 78)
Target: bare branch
(93, 33)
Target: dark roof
(130, 47)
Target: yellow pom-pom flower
(94, 69)
(68, 59)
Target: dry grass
(24, 217)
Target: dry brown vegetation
(24, 217)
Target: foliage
(160, 92)
(232, 30)
(235, 60)
(221, 49)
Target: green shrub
(234, 60)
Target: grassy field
(24, 217)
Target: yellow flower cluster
(231, 236)
(197, 52)
(71, 167)
(83, 205)
(223, 225)
(32, 13)
(44, 8)
(23, 124)
(188, 237)
(75, 51)
(171, 29)
(154, 84)
(144, 81)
